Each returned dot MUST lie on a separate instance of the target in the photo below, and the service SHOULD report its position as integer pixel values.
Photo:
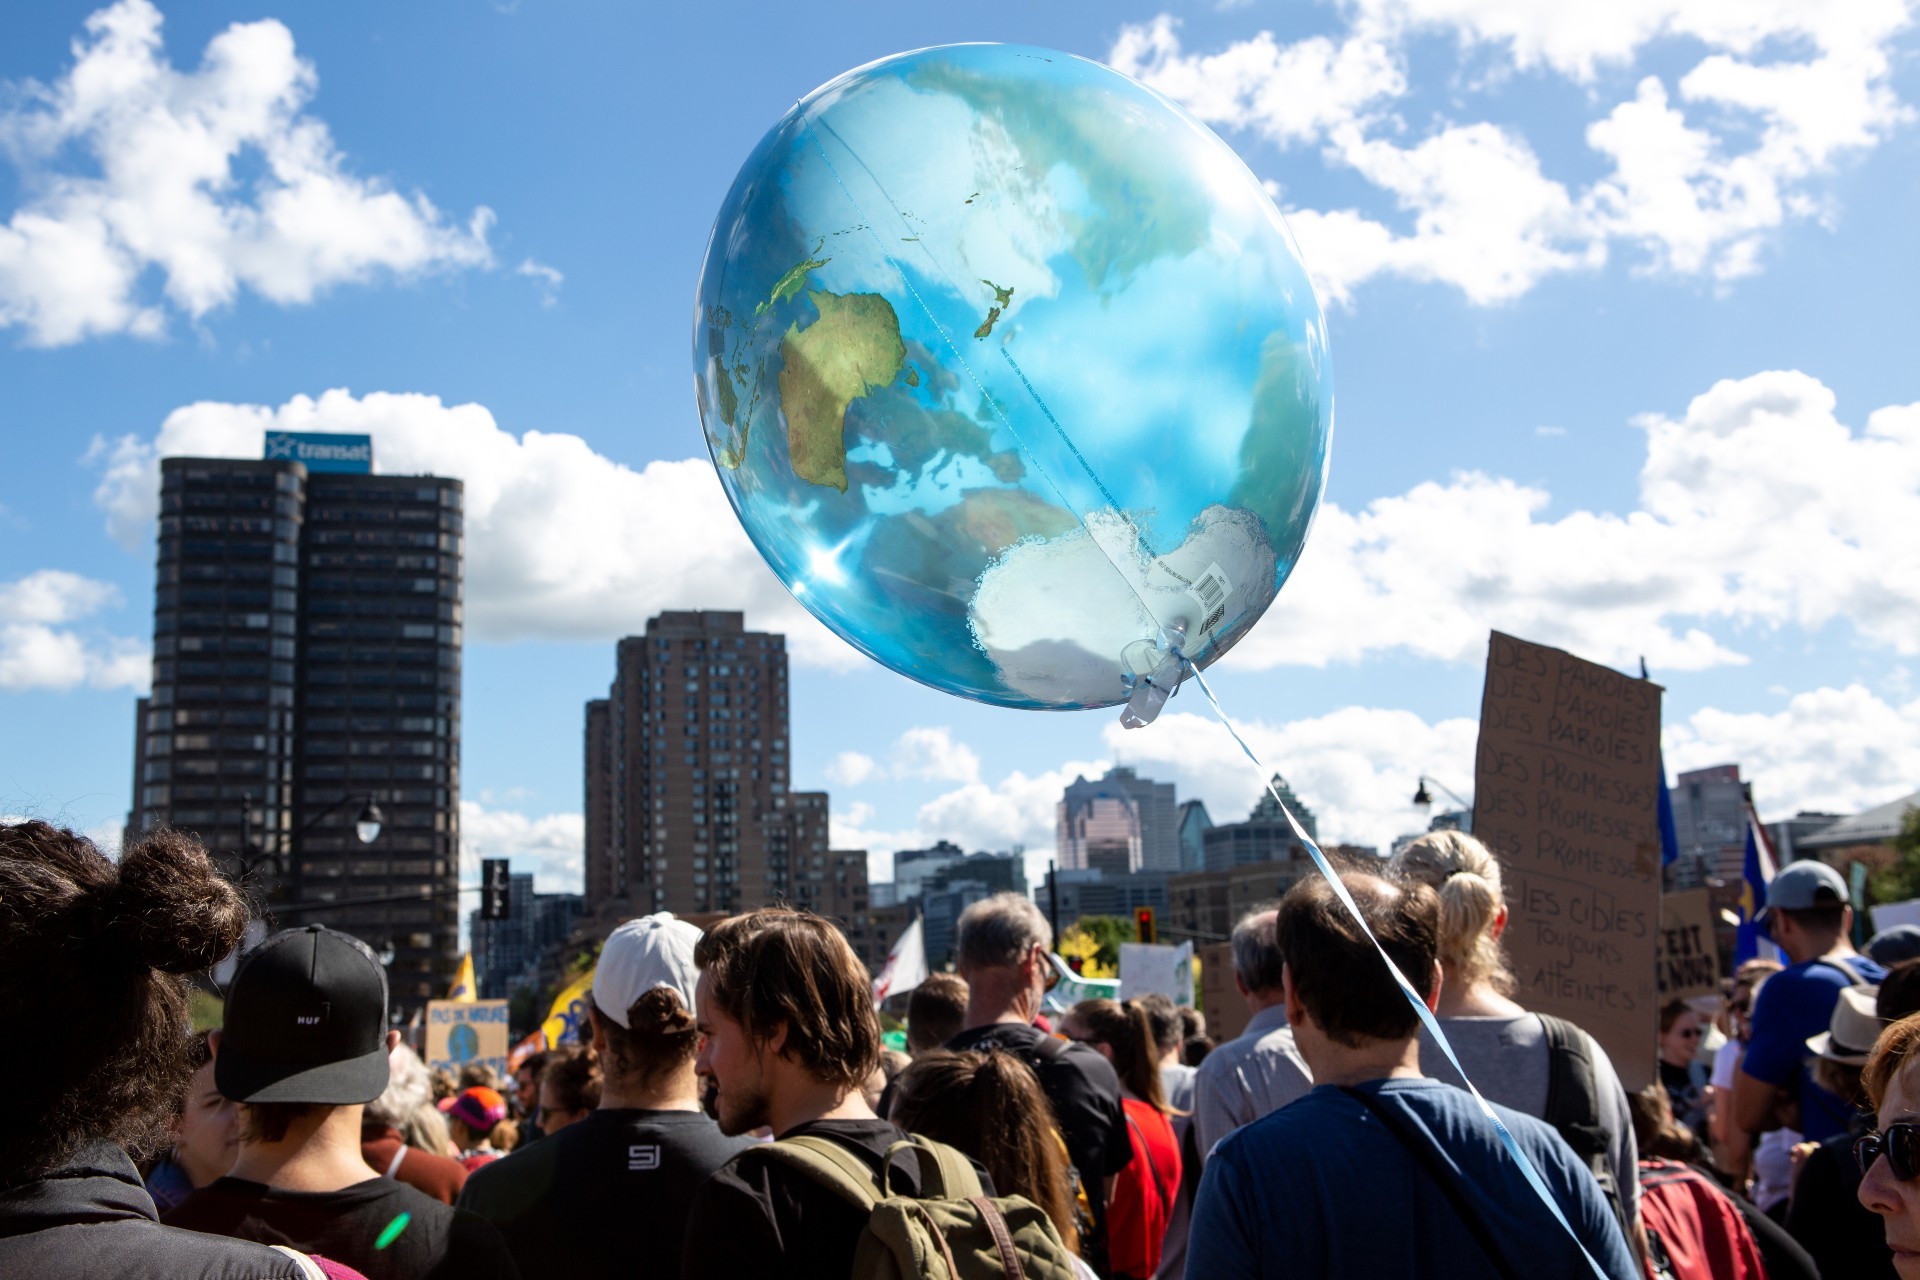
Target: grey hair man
(1004, 948)
(1262, 1070)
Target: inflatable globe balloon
(1011, 370)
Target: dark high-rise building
(687, 772)
(605, 870)
(305, 712)
(507, 953)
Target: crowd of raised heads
(733, 1109)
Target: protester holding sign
(1519, 1059)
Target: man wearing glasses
(1808, 918)
(1003, 950)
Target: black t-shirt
(384, 1229)
(1085, 1094)
(606, 1196)
(757, 1218)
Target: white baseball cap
(653, 951)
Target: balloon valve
(1148, 691)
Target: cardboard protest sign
(1220, 1000)
(1567, 788)
(461, 1032)
(1146, 967)
(1689, 958)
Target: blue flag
(1669, 834)
(1756, 876)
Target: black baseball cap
(306, 1021)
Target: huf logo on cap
(314, 1019)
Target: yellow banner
(464, 988)
(567, 1022)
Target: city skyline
(1568, 268)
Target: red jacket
(1143, 1194)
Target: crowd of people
(735, 1112)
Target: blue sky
(1620, 302)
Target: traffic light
(495, 889)
(1143, 923)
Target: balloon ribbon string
(1414, 998)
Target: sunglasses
(1691, 1033)
(1899, 1143)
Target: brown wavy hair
(95, 952)
(781, 967)
(990, 1106)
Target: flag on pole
(567, 1020)
(1756, 876)
(1669, 833)
(906, 966)
(525, 1049)
(464, 988)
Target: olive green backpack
(951, 1231)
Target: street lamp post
(1423, 798)
(366, 829)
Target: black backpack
(1573, 1107)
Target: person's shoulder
(497, 1178)
(221, 1200)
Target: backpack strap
(1153, 1168)
(1002, 1238)
(945, 1174)
(1573, 1108)
(1051, 1049)
(1425, 1156)
(831, 1165)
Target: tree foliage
(1901, 880)
(1095, 942)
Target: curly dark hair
(95, 951)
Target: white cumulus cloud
(41, 647)
(561, 542)
(207, 181)
(851, 768)
(1829, 750)
(1702, 171)
(924, 752)
(548, 845)
(1758, 506)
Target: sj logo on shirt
(640, 1159)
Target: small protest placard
(1567, 788)
(1146, 967)
(1689, 958)
(462, 1032)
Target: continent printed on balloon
(1055, 615)
(852, 348)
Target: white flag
(906, 966)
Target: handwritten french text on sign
(1567, 784)
(459, 1033)
(1689, 956)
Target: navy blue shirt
(1790, 1007)
(1322, 1188)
